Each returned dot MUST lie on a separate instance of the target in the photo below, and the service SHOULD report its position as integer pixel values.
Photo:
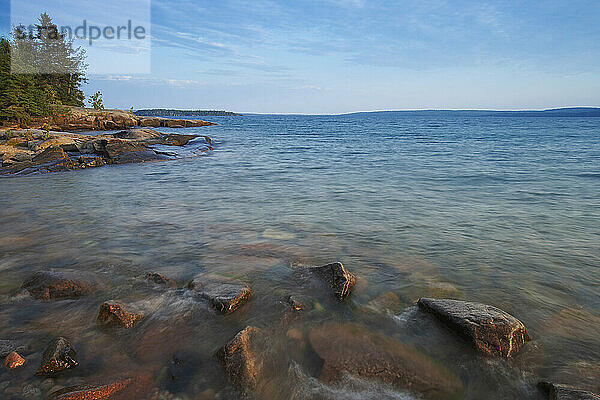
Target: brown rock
(90, 392)
(52, 159)
(340, 280)
(297, 303)
(225, 295)
(125, 152)
(63, 284)
(354, 349)
(557, 391)
(114, 313)
(160, 279)
(14, 360)
(59, 355)
(493, 331)
(241, 358)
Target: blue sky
(334, 56)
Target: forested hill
(162, 112)
(555, 112)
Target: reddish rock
(224, 295)
(117, 314)
(90, 392)
(14, 360)
(336, 276)
(59, 356)
(160, 279)
(241, 358)
(353, 349)
(492, 331)
(63, 284)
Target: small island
(163, 112)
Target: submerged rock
(7, 346)
(298, 303)
(14, 360)
(224, 295)
(336, 276)
(90, 392)
(160, 279)
(241, 358)
(63, 284)
(557, 391)
(493, 331)
(353, 349)
(114, 313)
(59, 355)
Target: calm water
(504, 211)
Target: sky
(335, 56)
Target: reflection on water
(502, 211)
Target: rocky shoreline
(342, 347)
(29, 151)
(54, 146)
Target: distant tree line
(162, 112)
(39, 70)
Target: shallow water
(504, 211)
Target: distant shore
(163, 112)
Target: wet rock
(224, 295)
(52, 159)
(63, 284)
(90, 392)
(241, 358)
(14, 360)
(353, 349)
(386, 302)
(58, 356)
(160, 279)
(336, 276)
(7, 346)
(30, 391)
(557, 391)
(148, 135)
(493, 331)
(117, 314)
(298, 303)
(125, 152)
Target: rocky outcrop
(492, 331)
(117, 314)
(59, 355)
(69, 118)
(35, 151)
(557, 391)
(353, 349)
(90, 392)
(225, 295)
(336, 276)
(14, 360)
(63, 284)
(242, 358)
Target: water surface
(500, 210)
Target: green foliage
(95, 101)
(38, 72)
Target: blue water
(500, 210)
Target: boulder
(351, 348)
(52, 159)
(336, 276)
(139, 135)
(557, 391)
(117, 314)
(242, 359)
(492, 331)
(63, 284)
(224, 295)
(125, 152)
(90, 392)
(14, 360)
(160, 279)
(58, 356)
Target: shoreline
(59, 146)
